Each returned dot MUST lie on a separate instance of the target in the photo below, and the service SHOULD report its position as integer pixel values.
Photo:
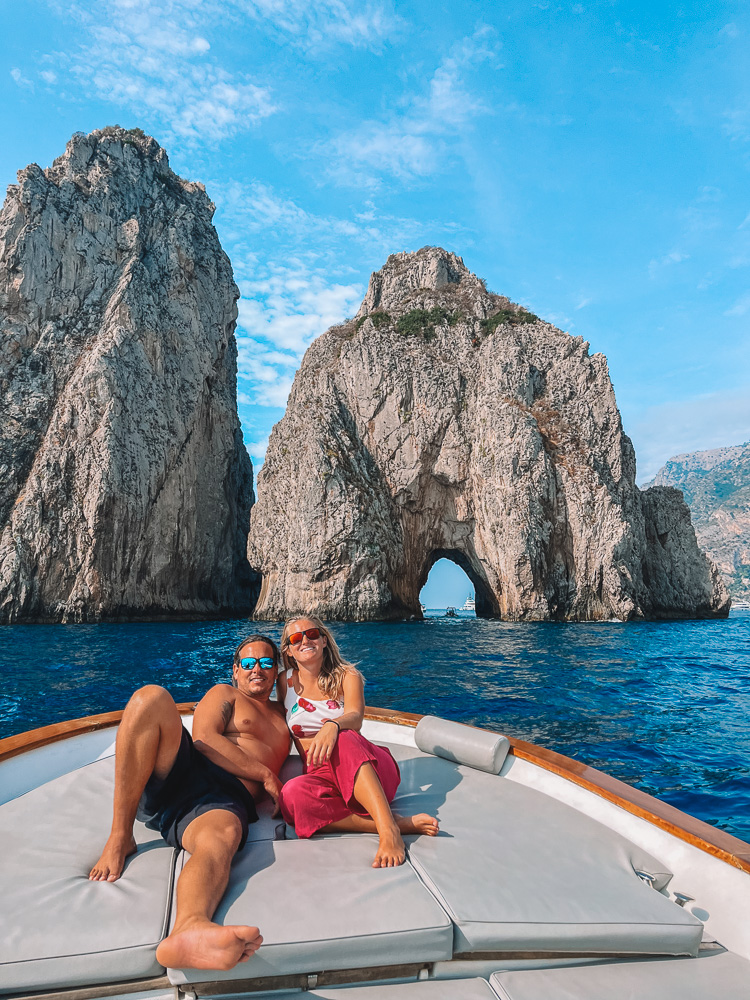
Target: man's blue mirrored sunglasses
(248, 662)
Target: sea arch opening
(455, 580)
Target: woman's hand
(320, 747)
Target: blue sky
(588, 160)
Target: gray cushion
(56, 927)
(430, 989)
(519, 871)
(462, 744)
(721, 976)
(343, 913)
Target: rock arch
(445, 419)
(486, 603)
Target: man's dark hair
(258, 638)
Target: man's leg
(195, 942)
(147, 743)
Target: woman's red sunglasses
(296, 637)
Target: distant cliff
(125, 488)
(447, 421)
(716, 487)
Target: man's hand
(321, 746)
(272, 786)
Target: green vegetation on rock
(422, 322)
(379, 318)
(511, 317)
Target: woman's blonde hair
(331, 678)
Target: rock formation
(125, 488)
(716, 487)
(446, 421)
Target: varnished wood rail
(693, 831)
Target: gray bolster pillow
(462, 744)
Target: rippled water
(662, 705)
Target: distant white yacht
(468, 604)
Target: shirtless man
(200, 795)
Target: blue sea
(664, 706)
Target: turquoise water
(664, 706)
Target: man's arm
(212, 716)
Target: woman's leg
(418, 823)
(367, 778)
(369, 793)
(359, 779)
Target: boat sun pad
(721, 976)
(344, 914)
(514, 869)
(57, 928)
(519, 871)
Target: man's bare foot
(420, 823)
(204, 945)
(109, 866)
(391, 850)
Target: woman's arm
(321, 745)
(354, 701)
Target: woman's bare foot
(420, 823)
(391, 850)
(109, 866)
(205, 945)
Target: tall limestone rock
(125, 488)
(444, 421)
(716, 487)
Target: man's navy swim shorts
(194, 786)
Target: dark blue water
(664, 706)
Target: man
(199, 793)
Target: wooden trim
(102, 990)
(682, 825)
(693, 831)
(303, 980)
(392, 716)
(35, 738)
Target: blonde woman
(348, 782)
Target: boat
(450, 612)
(469, 604)
(549, 879)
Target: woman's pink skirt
(325, 794)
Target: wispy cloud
(252, 209)
(657, 265)
(153, 59)
(20, 79)
(318, 24)
(292, 305)
(410, 144)
(741, 307)
(281, 312)
(257, 446)
(736, 124)
(708, 421)
(299, 273)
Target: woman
(348, 782)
